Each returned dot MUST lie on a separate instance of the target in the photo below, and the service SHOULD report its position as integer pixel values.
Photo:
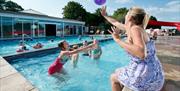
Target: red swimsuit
(55, 67)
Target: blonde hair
(139, 16)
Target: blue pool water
(90, 75)
(10, 46)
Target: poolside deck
(168, 51)
(11, 80)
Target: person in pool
(144, 72)
(86, 53)
(22, 47)
(96, 53)
(38, 46)
(74, 57)
(51, 40)
(64, 56)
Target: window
(36, 28)
(67, 30)
(18, 29)
(27, 30)
(41, 30)
(59, 30)
(7, 26)
(0, 28)
(80, 30)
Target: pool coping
(12, 80)
(19, 38)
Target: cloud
(170, 9)
(171, 3)
(123, 1)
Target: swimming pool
(10, 46)
(90, 75)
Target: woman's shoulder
(135, 31)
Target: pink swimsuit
(57, 65)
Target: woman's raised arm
(111, 20)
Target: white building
(36, 24)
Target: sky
(163, 10)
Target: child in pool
(86, 53)
(74, 57)
(22, 47)
(96, 53)
(65, 54)
(38, 46)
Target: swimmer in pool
(22, 47)
(38, 46)
(74, 57)
(96, 53)
(64, 55)
(86, 53)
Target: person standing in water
(96, 53)
(64, 56)
(144, 72)
(86, 53)
(74, 57)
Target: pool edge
(12, 80)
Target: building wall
(15, 27)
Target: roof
(34, 13)
(31, 11)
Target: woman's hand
(115, 33)
(103, 11)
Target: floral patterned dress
(143, 75)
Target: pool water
(90, 75)
(10, 46)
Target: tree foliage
(120, 13)
(10, 6)
(74, 10)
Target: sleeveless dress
(143, 75)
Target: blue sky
(164, 10)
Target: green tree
(10, 6)
(98, 12)
(152, 26)
(102, 23)
(2, 3)
(91, 19)
(120, 13)
(99, 17)
(74, 10)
